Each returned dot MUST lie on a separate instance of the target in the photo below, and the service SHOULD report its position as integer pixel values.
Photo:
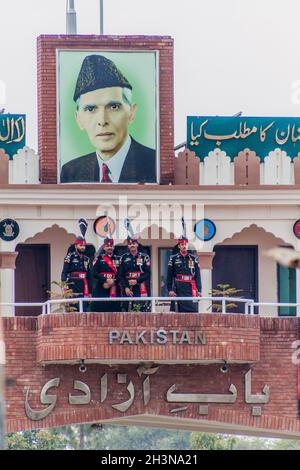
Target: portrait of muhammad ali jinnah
(105, 112)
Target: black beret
(98, 72)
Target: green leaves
(224, 290)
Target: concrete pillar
(205, 263)
(7, 280)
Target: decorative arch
(48, 232)
(30, 230)
(154, 229)
(273, 238)
(58, 240)
(281, 234)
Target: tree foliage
(63, 292)
(93, 437)
(36, 440)
(112, 437)
(224, 290)
(208, 441)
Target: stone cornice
(94, 194)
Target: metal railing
(249, 304)
(46, 306)
(153, 301)
(43, 305)
(252, 305)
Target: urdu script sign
(234, 134)
(12, 133)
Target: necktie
(105, 174)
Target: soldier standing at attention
(77, 269)
(105, 271)
(183, 278)
(135, 273)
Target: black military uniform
(184, 278)
(138, 268)
(106, 267)
(77, 272)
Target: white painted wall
(241, 217)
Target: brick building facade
(173, 378)
(159, 382)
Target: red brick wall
(47, 126)
(274, 368)
(61, 337)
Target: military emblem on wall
(205, 229)
(296, 228)
(9, 229)
(104, 226)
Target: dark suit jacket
(139, 166)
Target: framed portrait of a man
(107, 115)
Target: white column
(206, 280)
(205, 263)
(7, 280)
(7, 290)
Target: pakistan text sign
(12, 132)
(234, 134)
(160, 336)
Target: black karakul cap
(131, 240)
(98, 72)
(80, 240)
(108, 241)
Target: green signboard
(12, 133)
(234, 134)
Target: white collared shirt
(115, 163)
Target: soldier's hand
(128, 292)
(106, 285)
(199, 294)
(132, 282)
(172, 293)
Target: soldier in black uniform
(183, 278)
(135, 274)
(77, 271)
(105, 270)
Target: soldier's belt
(182, 277)
(108, 275)
(131, 275)
(77, 275)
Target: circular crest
(9, 229)
(296, 228)
(104, 226)
(205, 229)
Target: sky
(230, 55)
